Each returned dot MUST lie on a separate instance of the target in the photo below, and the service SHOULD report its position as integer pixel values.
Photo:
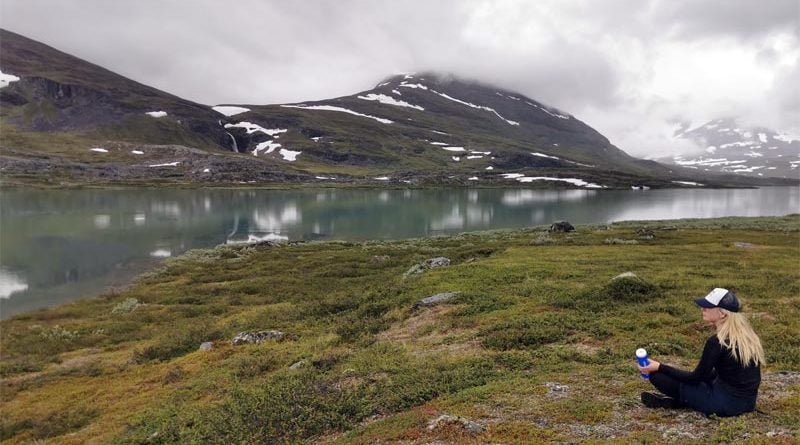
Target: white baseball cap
(719, 297)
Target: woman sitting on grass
(726, 380)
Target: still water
(57, 246)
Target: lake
(57, 246)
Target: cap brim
(702, 302)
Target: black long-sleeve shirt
(718, 362)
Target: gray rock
(415, 269)
(645, 233)
(257, 337)
(437, 262)
(379, 259)
(435, 299)
(445, 419)
(556, 390)
(298, 365)
(428, 264)
(561, 226)
(206, 346)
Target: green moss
(375, 370)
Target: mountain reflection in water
(57, 246)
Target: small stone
(470, 426)
(743, 245)
(625, 275)
(298, 365)
(379, 259)
(556, 390)
(415, 269)
(206, 346)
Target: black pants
(666, 384)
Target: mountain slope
(61, 93)
(83, 123)
(733, 148)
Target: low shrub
(529, 332)
(174, 344)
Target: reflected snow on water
(56, 246)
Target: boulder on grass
(561, 226)
(435, 299)
(257, 337)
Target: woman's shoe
(656, 400)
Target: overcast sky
(631, 69)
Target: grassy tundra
(537, 347)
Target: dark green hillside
(60, 93)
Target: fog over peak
(632, 69)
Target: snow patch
(397, 92)
(257, 239)
(289, 155)
(489, 168)
(697, 184)
(5, 79)
(762, 137)
(382, 178)
(413, 85)
(738, 144)
(137, 152)
(268, 145)
(784, 137)
(99, 150)
(705, 162)
(161, 253)
(472, 178)
(479, 107)
(456, 158)
(251, 128)
(552, 112)
(169, 164)
(339, 109)
(542, 155)
(156, 114)
(573, 181)
(388, 100)
(206, 170)
(229, 110)
(711, 149)
(474, 157)
(454, 148)
(439, 143)
(748, 169)
(10, 283)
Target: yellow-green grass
(537, 347)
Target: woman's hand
(650, 368)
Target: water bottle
(641, 357)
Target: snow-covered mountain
(733, 148)
(66, 120)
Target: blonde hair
(735, 333)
